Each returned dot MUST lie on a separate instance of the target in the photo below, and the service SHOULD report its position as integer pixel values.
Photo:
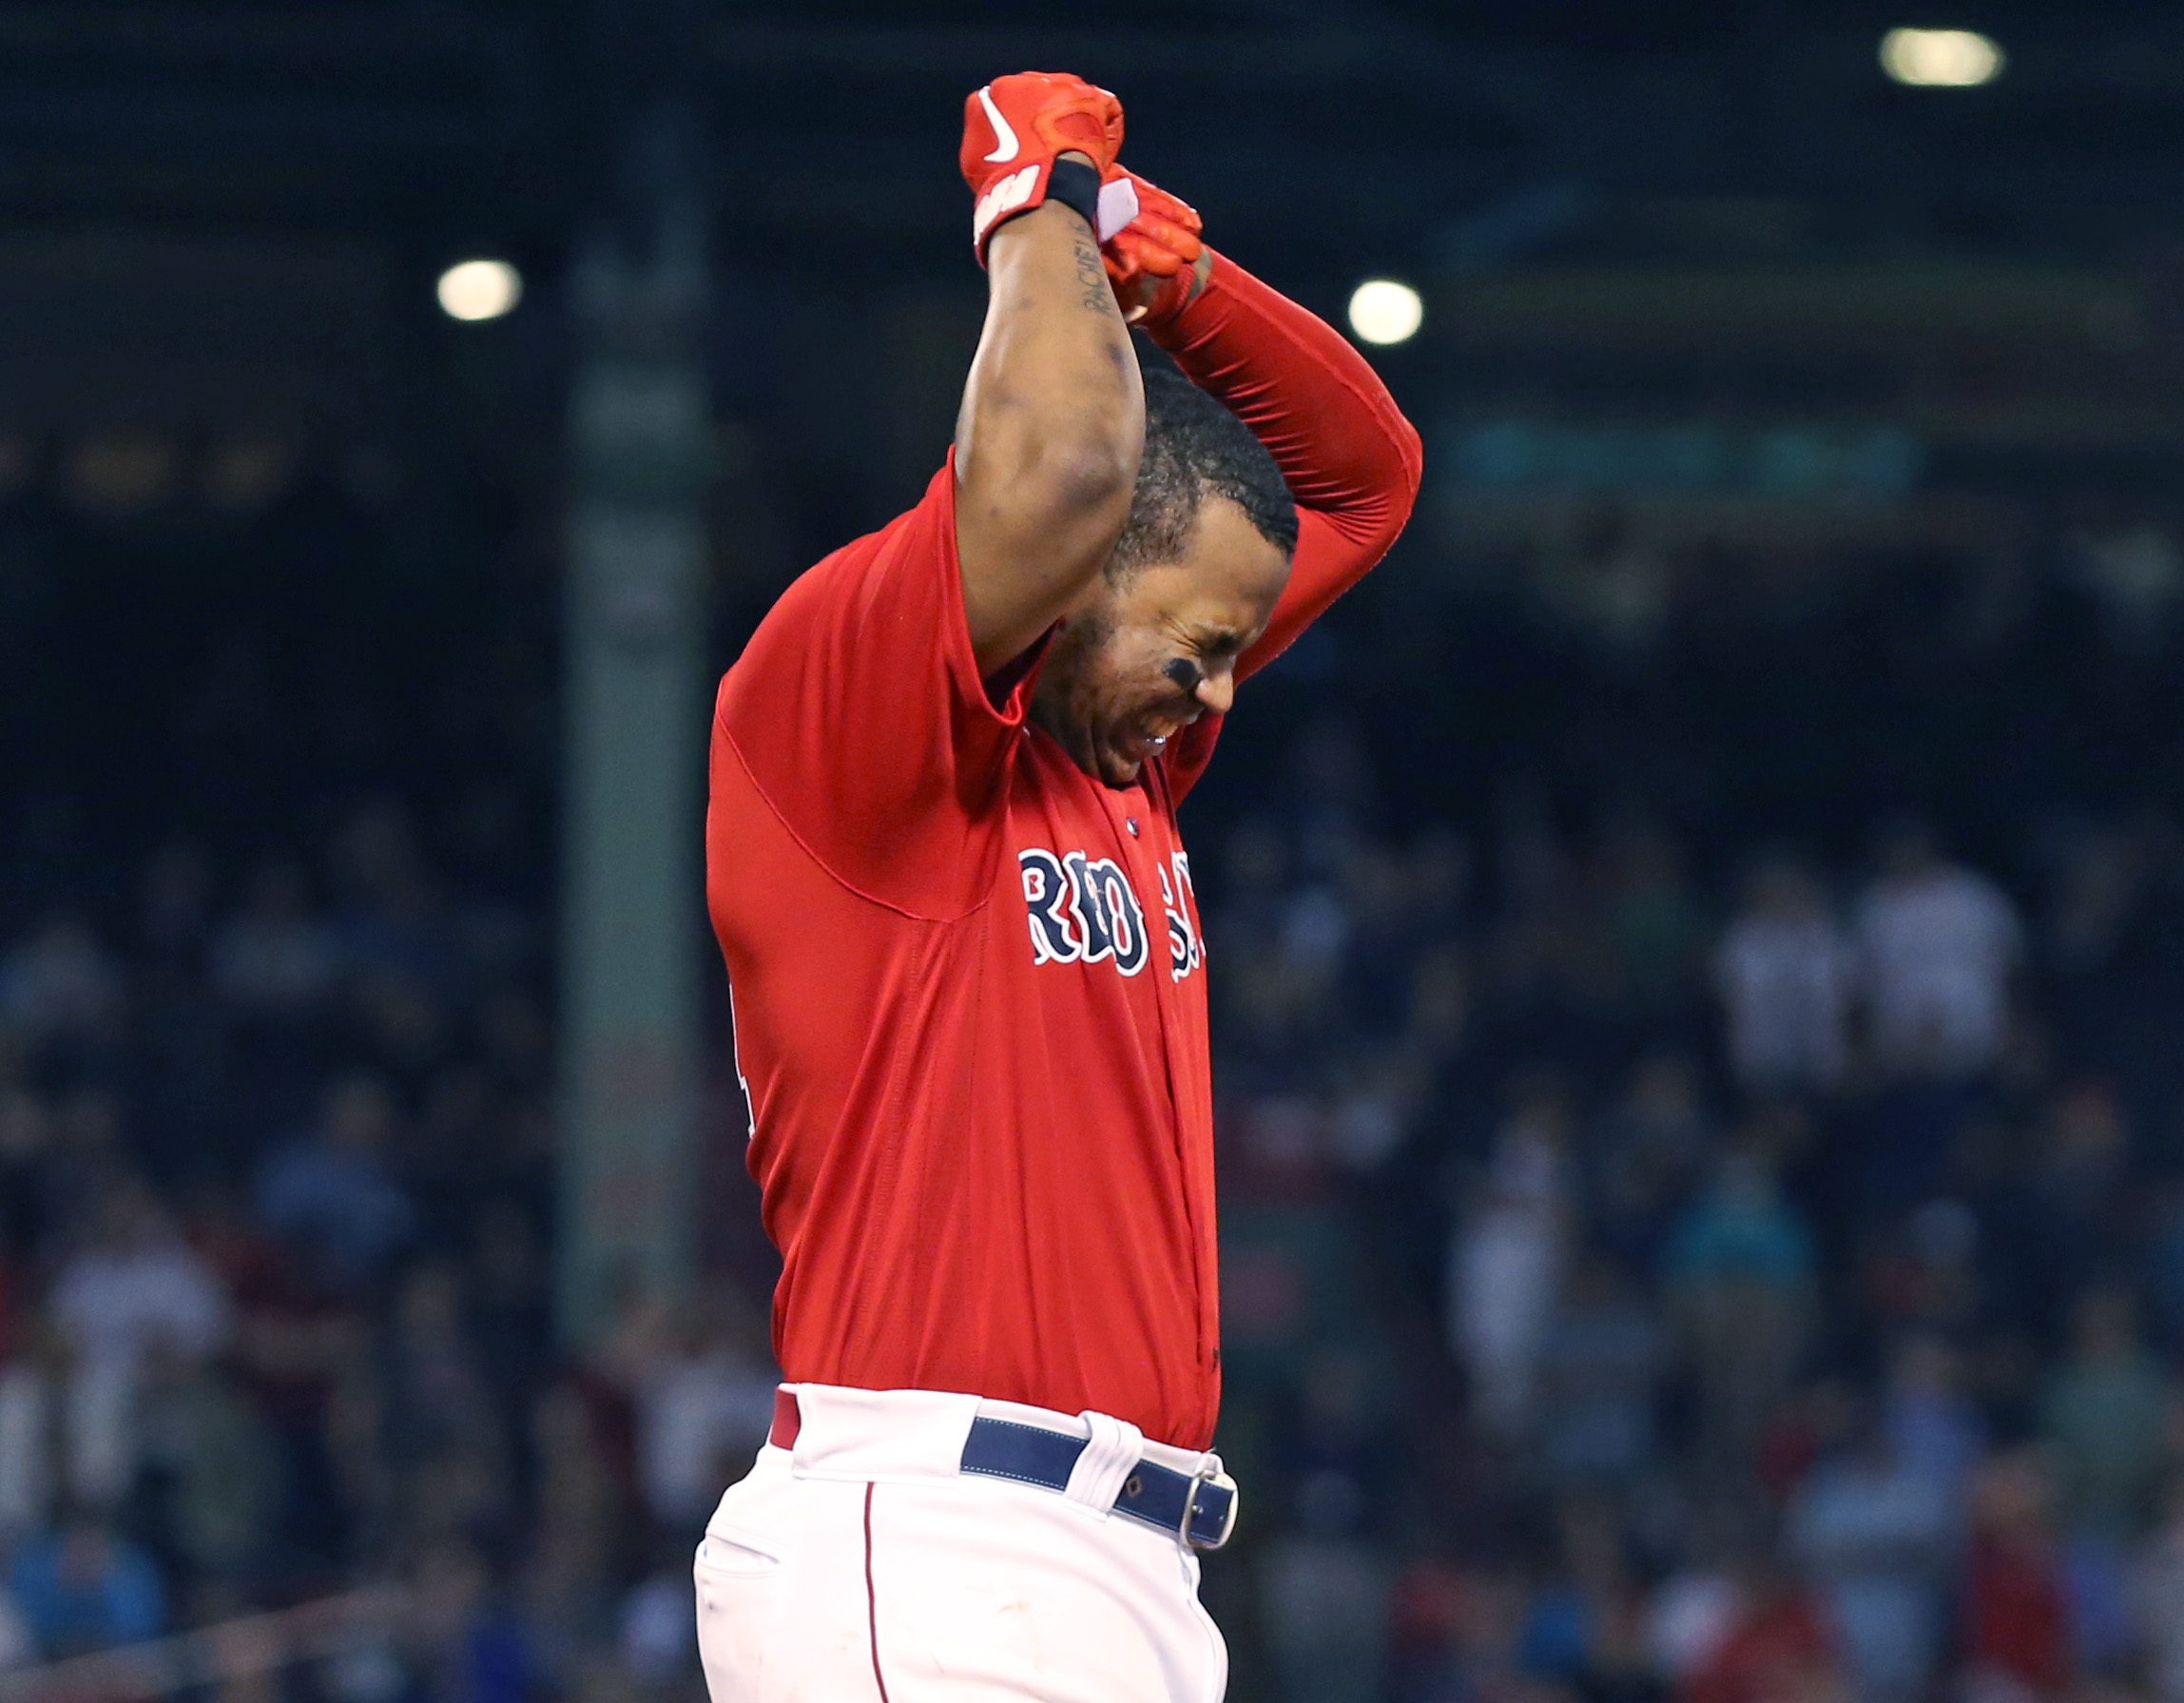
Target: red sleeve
(1350, 458)
(858, 716)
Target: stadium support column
(632, 809)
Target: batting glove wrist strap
(1076, 187)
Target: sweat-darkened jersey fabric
(968, 979)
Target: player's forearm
(1052, 426)
(1052, 410)
(1336, 433)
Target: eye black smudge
(1185, 674)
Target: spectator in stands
(463, 1642)
(2015, 1641)
(1654, 927)
(18, 1643)
(581, 1522)
(276, 957)
(210, 1477)
(137, 1290)
(2133, 568)
(1572, 1611)
(1647, 1152)
(1381, 940)
(510, 1283)
(1326, 1592)
(25, 1140)
(2107, 1418)
(1693, 1608)
(656, 1624)
(1937, 943)
(1741, 1274)
(439, 1433)
(1315, 944)
(2164, 1264)
(393, 916)
(1934, 1428)
(2157, 1598)
(84, 1588)
(704, 1382)
(1874, 1534)
(1778, 1648)
(1600, 1372)
(31, 1380)
(1332, 802)
(2084, 1199)
(2100, 878)
(62, 986)
(330, 1192)
(90, 1144)
(1456, 1631)
(1618, 1665)
(296, 1339)
(1535, 941)
(1255, 1011)
(1784, 971)
(1506, 1261)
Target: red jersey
(2017, 1616)
(1778, 1652)
(968, 979)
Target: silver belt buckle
(1220, 1481)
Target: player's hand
(1156, 261)
(1013, 129)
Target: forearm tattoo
(1092, 277)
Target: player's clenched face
(1134, 663)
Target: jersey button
(1130, 822)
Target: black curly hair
(1194, 448)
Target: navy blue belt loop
(1197, 1510)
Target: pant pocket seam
(744, 1556)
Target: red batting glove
(1014, 126)
(1153, 261)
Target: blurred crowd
(1637, 1286)
(1662, 1264)
(1763, 1289)
(276, 1183)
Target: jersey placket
(1144, 830)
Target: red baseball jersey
(968, 979)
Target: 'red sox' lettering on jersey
(1082, 909)
(1179, 899)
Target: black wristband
(1077, 186)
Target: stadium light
(1941, 58)
(1384, 311)
(479, 289)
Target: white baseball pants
(863, 1565)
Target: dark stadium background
(1802, 494)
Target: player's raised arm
(1350, 458)
(1052, 421)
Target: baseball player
(965, 960)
